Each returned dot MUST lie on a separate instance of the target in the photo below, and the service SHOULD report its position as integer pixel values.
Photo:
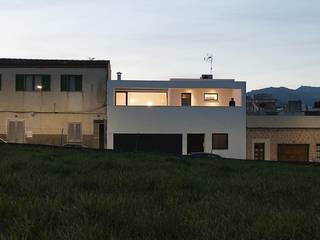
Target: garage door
(157, 143)
(293, 152)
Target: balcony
(178, 97)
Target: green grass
(48, 193)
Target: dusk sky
(266, 43)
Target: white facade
(167, 116)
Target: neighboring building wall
(274, 130)
(283, 136)
(46, 115)
(52, 128)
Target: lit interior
(121, 98)
(141, 99)
(204, 97)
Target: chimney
(207, 76)
(119, 75)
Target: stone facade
(283, 129)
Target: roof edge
(52, 63)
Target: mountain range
(308, 95)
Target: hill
(52, 193)
(308, 95)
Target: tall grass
(50, 193)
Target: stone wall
(284, 136)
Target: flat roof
(197, 83)
(52, 63)
(283, 121)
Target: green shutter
(46, 83)
(64, 83)
(78, 80)
(20, 82)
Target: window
(211, 96)
(27, 82)
(318, 152)
(74, 132)
(121, 98)
(259, 149)
(219, 141)
(143, 98)
(71, 83)
(185, 99)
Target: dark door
(195, 143)
(157, 143)
(259, 151)
(185, 99)
(293, 152)
(101, 135)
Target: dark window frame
(115, 98)
(226, 147)
(65, 82)
(22, 78)
(190, 100)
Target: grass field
(48, 193)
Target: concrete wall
(91, 97)
(47, 114)
(205, 120)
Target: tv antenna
(209, 58)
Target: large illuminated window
(143, 98)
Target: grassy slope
(50, 193)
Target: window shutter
(46, 83)
(74, 132)
(20, 82)
(70, 132)
(78, 80)
(64, 83)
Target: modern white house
(177, 116)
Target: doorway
(195, 143)
(99, 130)
(259, 151)
(186, 99)
(16, 131)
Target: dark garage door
(157, 143)
(293, 152)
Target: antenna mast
(209, 58)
